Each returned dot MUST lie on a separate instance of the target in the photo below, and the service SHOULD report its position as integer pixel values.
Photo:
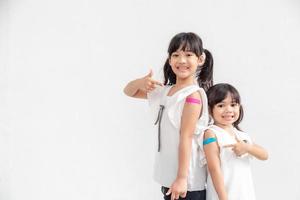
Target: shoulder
(198, 94)
(196, 89)
(209, 133)
(193, 101)
(195, 95)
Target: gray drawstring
(158, 120)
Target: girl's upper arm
(190, 114)
(211, 150)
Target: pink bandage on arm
(192, 100)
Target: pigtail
(169, 75)
(205, 77)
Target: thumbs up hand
(148, 83)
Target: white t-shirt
(236, 169)
(166, 160)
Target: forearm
(132, 87)
(258, 152)
(185, 146)
(218, 181)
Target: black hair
(219, 92)
(190, 42)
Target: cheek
(172, 64)
(215, 113)
(237, 113)
(171, 61)
(173, 68)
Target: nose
(229, 109)
(182, 59)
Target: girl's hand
(239, 148)
(178, 189)
(148, 84)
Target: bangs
(235, 97)
(185, 42)
(219, 92)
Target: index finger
(228, 145)
(173, 196)
(156, 82)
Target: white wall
(68, 132)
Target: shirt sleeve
(154, 99)
(245, 137)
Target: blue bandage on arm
(209, 140)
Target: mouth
(182, 68)
(228, 117)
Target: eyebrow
(230, 102)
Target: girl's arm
(139, 88)
(255, 150)
(189, 118)
(212, 154)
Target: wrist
(248, 147)
(181, 178)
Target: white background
(68, 132)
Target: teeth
(228, 116)
(182, 68)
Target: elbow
(214, 168)
(265, 156)
(126, 92)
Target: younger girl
(181, 111)
(228, 150)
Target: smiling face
(184, 63)
(226, 112)
(185, 54)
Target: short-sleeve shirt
(166, 160)
(236, 169)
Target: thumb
(183, 195)
(169, 192)
(150, 74)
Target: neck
(184, 82)
(228, 127)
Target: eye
(175, 55)
(189, 54)
(234, 104)
(220, 105)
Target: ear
(201, 59)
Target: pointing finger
(228, 145)
(157, 83)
